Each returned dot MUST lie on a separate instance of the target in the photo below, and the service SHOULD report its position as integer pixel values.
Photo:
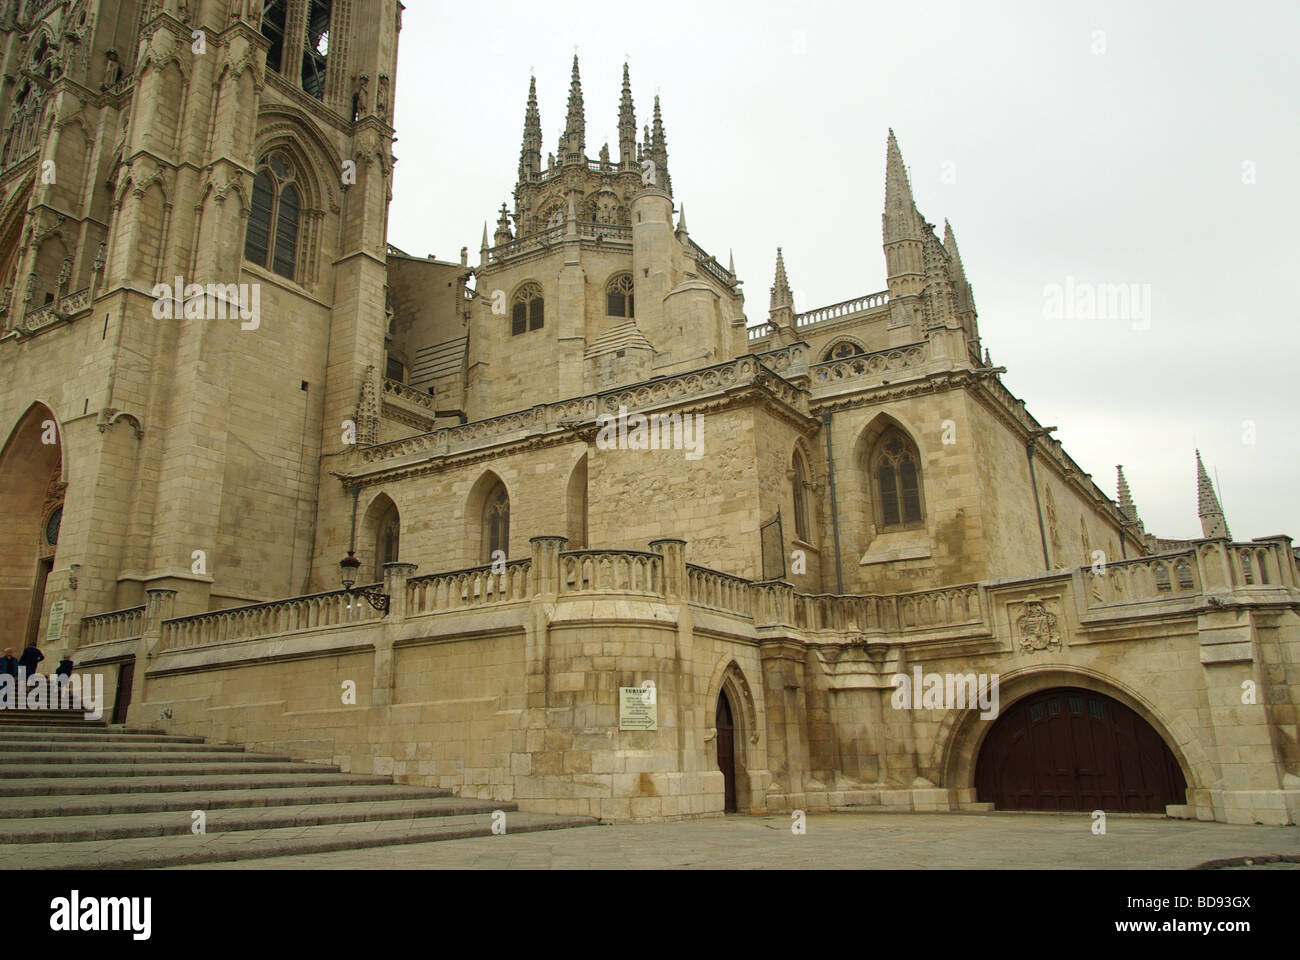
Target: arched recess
(729, 680)
(575, 506)
(380, 536)
(803, 488)
(31, 494)
(962, 733)
(860, 499)
(487, 519)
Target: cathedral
(568, 526)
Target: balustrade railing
(396, 388)
(608, 571)
(845, 308)
(870, 364)
(336, 608)
(709, 588)
(462, 589)
(124, 624)
(1143, 579)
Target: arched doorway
(727, 752)
(1073, 749)
(31, 514)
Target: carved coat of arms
(1037, 628)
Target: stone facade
(831, 498)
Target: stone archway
(965, 734)
(31, 509)
(730, 699)
(1066, 748)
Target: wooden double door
(1073, 749)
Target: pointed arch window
(799, 482)
(496, 523)
(618, 297)
(527, 309)
(388, 541)
(896, 475)
(272, 237)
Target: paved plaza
(879, 841)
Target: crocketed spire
(782, 298)
(659, 151)
(1213, 523)
(1125, 501)
(626, 125)
(530, 153)
(575, 124)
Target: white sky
(1051, 160)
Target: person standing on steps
(9, 663)
(30, 658)
(64, 670)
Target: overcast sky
(1107, 143)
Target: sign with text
(637, 709)
(55, 629)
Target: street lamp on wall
(348, 567)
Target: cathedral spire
(530, 153)
(782, 298)
(965, 294)
(659, 152)
(626, 125)
(1213, 523)
(574, 147)
(1125, 501)
(681, 222)
(902, 220)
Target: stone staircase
(84, 795)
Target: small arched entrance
(1068, 748)
(727, 751)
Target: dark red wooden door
(726, 752)
(122, 700)
(1072, 749)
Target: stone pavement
(833, 841)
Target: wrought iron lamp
(348, 569)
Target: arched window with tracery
(618, 296)
(896, 475)
(496, 524)
(842, 351)
(799, 483)
(526, 311)
(272, 237)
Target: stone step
(8, 759)
(20, 734)
(64, 786)
(147, 852)
(47, 718)
(115, 747)
(110, 804)
(71, 829)
(43, 770)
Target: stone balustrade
(333, 609)
(395, 388)
(124, 624)
(842, 310)
(1263, 569)
(463, 589)
(611, 571)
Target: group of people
(31, 657)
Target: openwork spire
(659, 151)
(1125, 501)
(530, 153)
(782, 298)
(1213, 523)
(575, 125)
(626, 124)
(902, 220)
